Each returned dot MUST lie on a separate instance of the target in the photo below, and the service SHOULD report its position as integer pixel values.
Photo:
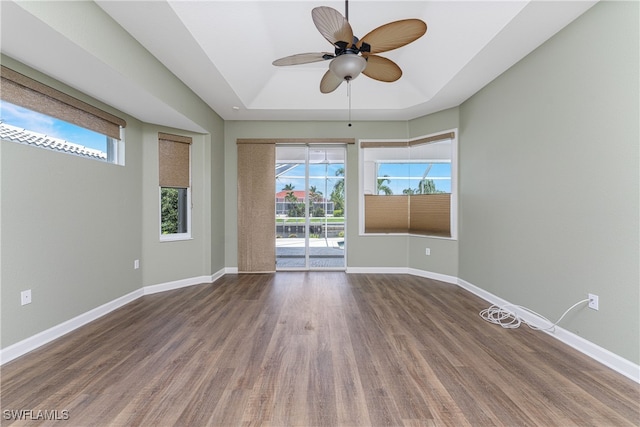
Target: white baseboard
(403, 270)
(176, 284)
(183, 283)
(435, 276)
(602, 355)
(25, 346)
(377, 270)
(599, 354)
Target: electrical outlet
(427, 251)
(136, 264)
(593, 301)
(25, 297)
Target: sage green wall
(362, 251)
(548, 187)
(73, 239)
(175, 260)
(203, 254)
(218, 187)
(70, 229)
(444, 252)
(549, 179)
(92, 30)
(88, 26)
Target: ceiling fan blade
(329, 82)
(303, 58)
(383, 69)
(394, 35)
(332, 25)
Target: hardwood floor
(313, 349)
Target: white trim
(176, 237)
(218, 274)
(435, 276)
(183, 283)
(25, 346)
(454, 183)
(377, 270)
(176, 284)
(29, 344)
(599, 354)
(594, 351)
(403, 270)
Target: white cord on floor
(509, 319)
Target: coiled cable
(510, 320)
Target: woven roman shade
(386, 214)
(422, 214)
(410, 143)
(296, 141)
(432, 138)
(21, 90)
(425, 214)
(256, 212)
(174, 160)
(430, 214)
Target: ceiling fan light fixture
(348, 66)
(352, 55)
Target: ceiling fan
(353, 56)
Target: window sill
(408, 234)
(432, 236)
(175, 237)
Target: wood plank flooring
(313, 349)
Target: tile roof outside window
(23, 136)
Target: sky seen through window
(41, 123)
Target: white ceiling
(223, 51)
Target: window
(24, 126)
(409, 186)
(175, 186)
(34, 114)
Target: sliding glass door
(310, 207)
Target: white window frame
(178, 236)
(454, 186)
(408, 178)
(114, 147)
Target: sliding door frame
(313, 253)
(252, 238)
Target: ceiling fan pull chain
(349, 96)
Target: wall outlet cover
(25, 297)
